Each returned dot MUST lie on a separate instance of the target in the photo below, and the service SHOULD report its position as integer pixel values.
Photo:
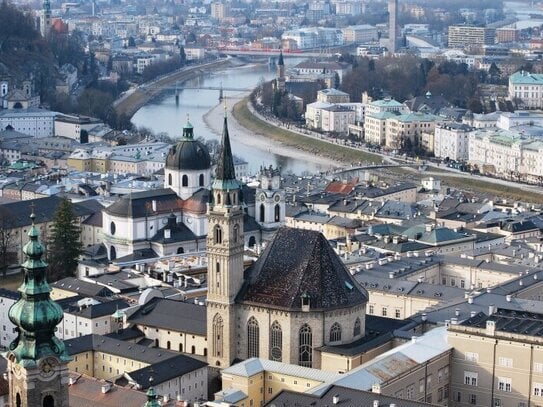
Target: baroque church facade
(173, 220)
(297, 297)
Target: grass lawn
(339, 153)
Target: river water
(164, 115)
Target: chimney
(376, 388)
(491, 309)
(375, 403)
(106, 388)
(508, 297)
(490, 328)
(335, 399)
(470, 299)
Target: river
(164, 115)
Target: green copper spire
(188, 130)
(35, 315)
(151, 396)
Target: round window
(112, 228)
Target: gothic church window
(253, 338)
(169, 179)
(305, 352)
(335, 332)
(277, 213)
(217, 235)
(357, 327)
(217, 336)
(276, 342)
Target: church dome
(188, 153)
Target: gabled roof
(172, 315)
(296, 263)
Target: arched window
(201, 180)
(112, 228)
(112, 253)
(218, 267)
(180, 250)
(217, 342)
(170, 179)
(357, 327)
(253, 338)
(277, 211)
(205, 351)
(252, 241)
(193, 349)
(305, 351)
(185, 181)
(18, 400)
(48, 401)
(157, 343)
(276, 342)
(235, 233)
(262, 217)
(335, 332)
(219, 198)
(217, 235)
(168, 345)
(180, 347)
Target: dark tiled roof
(250, 224)
(140, 204)
(510, 321)
(299, 262)
(13, 295)
(347, 398)
(166, 370)
(82, 288)
(96, 310)
(44, 208)
(170, 314)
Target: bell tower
(225, 244)
(37, 359)
(270, 200)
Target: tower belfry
(46, 19)
(225, 244)
(37, 359)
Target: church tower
(280, 80)
(37, 359)
(225, 244)
(270, 200)
(45, 21)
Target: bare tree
(7, 237)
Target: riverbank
(255, 138)
(134, 99)
(344, 156)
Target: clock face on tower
(277, 198)
(47, 367)
(262, 197)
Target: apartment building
(526, 89)
(461, 36)
(360, 34)
(498, 359)
(408, 127)
(451, 140)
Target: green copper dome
(35, 315)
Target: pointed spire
(225, 176)
(281, 61)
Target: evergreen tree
(182, 56)
(64, 245)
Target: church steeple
(225, 174)
(280, 79)
(225, 243)
(37, 359)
